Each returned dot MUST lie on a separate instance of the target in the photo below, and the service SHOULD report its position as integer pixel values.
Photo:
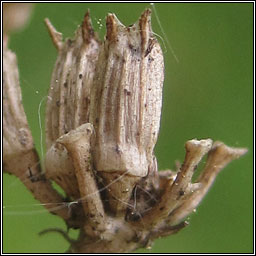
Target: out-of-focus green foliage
(209, 93)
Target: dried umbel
(102, 122)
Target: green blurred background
(209, 93)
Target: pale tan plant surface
(102, 123)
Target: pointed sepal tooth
(145, 29)
(113, 26)
(87, 29)
(55, 35)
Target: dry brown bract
(102, 123)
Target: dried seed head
(72, 78)
(117, 87)
(69, 99)
(127, 97)
(125, 88)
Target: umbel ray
(102, 122)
